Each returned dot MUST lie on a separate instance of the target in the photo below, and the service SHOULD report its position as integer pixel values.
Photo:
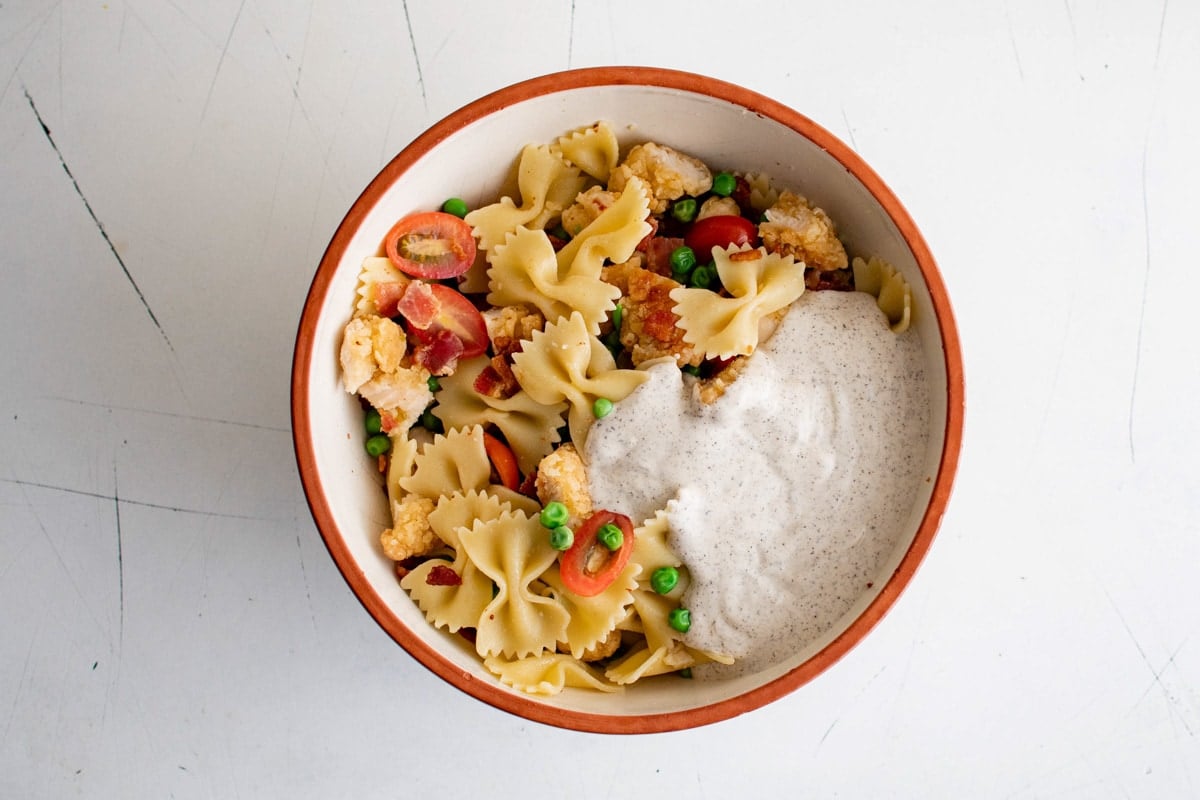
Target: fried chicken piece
(588, 205)
(794, 227)
(667, 173)
(649, 327)
(562, 477)
(410, 534)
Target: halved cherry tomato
(720, 231)
(433, 245)
(588, 567)
(503, 460)
(430, 308)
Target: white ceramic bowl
(470, 154)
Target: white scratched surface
(170, 623)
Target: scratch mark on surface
(412, 40)
(828, 731)
(1137, 353)
(96, 220)
(62, 563)
(1162, 24)
(128, 502)
(571, 36)
(221, 61)
(1012, 40)
(41, 25)
(1157, 674)
(304, 575)
(121, 32)
(12, 713)
(171, 415)
(849, 129)
(120, 566)
(1074, 38)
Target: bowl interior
(472, 155)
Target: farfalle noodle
(547, 673)
(879, 278)
(530, 427)
(758, 283)
(513, 551)
(593, 149)
(565, 362)
(547, 185)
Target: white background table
(171, 625)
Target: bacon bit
(440, 356)
(419, 305)
(468, 634)
(658, 254)
(555, 242)
(746, 255)
(402, 568)
(648, 239)
(387, 296)
(741, 192)
(441, 575)
(488, 382)
(387, 422)
(529, 486)
(382, 462)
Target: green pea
(692, 369)
(680, 619)
(554, 514)
(724, 184)
(683, 260)
(684, 210)
(560, 232)
(602, 407)
(373, 422)
(664, 579)
(686, 672)
(433, 383)
(455, 206)
(377, 445)
(702, 277)
(611, 537)
(618, 315)
(562, 537)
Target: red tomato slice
(433, 308)
(503, 460)
(433, 245)
(588, 567)
(721, 231)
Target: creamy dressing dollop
(786, 495)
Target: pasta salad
(485, 343)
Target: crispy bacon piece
(441, 575)
(658, 254)
(418, 305)
(439, 356)
(387, 297)
(650, 327)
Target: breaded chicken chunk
(410, 534)
(649, 328)
(794, 227)
(562, 477)
(668, 174)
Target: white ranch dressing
(785, 496)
